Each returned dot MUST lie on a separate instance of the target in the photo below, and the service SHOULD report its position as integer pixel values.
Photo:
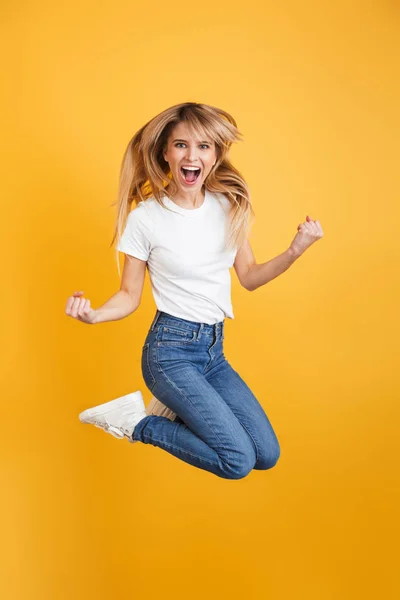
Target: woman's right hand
(79, 309)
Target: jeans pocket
(173, 336)
(147, 374)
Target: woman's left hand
(308, 232)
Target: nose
(191, 154)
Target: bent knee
(270, 458)
(240, 466)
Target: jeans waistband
(199, 328)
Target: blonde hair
(145, 173)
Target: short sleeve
(136, 238)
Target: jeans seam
(228, 454)
(146, 350)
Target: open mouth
(190, 175)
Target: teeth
(191, 168)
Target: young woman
(189, 226)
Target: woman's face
(183, 150)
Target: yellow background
(315, 91)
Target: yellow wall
(314, 88)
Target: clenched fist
(308, 233)
(79, 309)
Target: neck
(189, 199)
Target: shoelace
(118, 433)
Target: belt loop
(158, 312)
(199, 331)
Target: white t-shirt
(186, 257)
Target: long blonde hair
(145, 173)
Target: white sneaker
(118, 416)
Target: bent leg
(249, 412)
(209, 435)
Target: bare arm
(252, 276)
(259, 275)
(127, 299)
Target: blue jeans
(220, 425)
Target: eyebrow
(203, 142)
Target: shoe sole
(134, 398)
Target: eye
(182, 144)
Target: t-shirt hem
(134, 254)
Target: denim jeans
(220, 425)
